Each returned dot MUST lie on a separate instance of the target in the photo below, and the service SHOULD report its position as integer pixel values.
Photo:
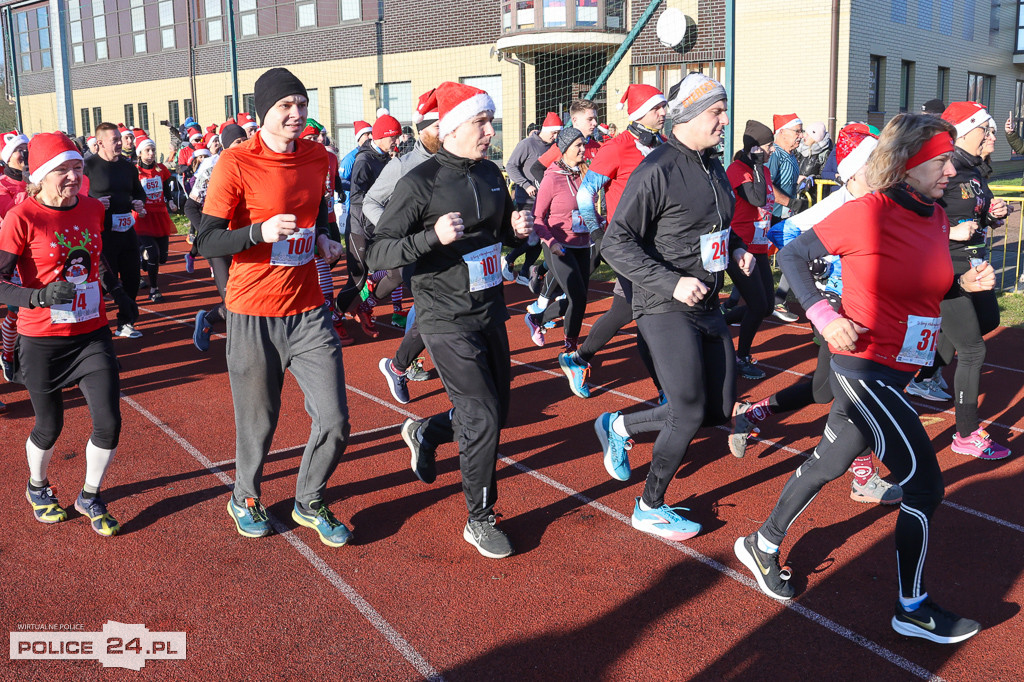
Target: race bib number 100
(919, 342)
(484, 267)
(714, 249)
(294, 251)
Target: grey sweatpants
(259, 350)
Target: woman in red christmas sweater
(154, 227)
(53, 239)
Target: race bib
(761, 231)
(294, 251)
(122, 222)
(154, 188)
(484, 267)
(86, 305)
(919, 343)
(578, 226)
(714, 250)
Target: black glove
(54, 293)
(125, 303)
(757, 155)
(797, 204)
(820, 269)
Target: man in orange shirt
(265, 207)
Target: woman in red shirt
(53, 238)
(154, 227)
(885, 330)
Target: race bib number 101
(484, 267)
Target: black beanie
(756, 134)
(566, 136)
(273, 86)
(933, 106)
(230, 133)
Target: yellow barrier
(1016, 193)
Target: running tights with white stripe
(870, 411)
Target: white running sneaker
(128, 331)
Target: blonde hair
(903, 137)
(33, 189)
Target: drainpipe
(12, 64)
(833, 71)
(730, 73)
(522, 90)
(233, 43)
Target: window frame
(876, 84)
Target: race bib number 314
(919, 342)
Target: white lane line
(367, 432)
(371, 614)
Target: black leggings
(817, 390)
(872, 413)
(356, 266)
(221, 266)
(153, 254)
(102, 392)
(607, 326)
(531, 253)
(756, 290)
(572, 270)
(695, 359)
(965, 321)
(411, 346)
(121, 249)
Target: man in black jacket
(450, 216)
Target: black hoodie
(968, 197)
(366, 168)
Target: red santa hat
(639, 99)
(966, 116)
(361, 128)
(201, 150)
(91, 138)
(426, 109)
(551, 123)
(225, 124)
(142, 141)
(853, 147)
(12, 141)
(123, 129)
(139, 132)
(386, 126)
(245, 120)
(195, 134)
(783, 121)
(458, 103)
(309, 130)
(46, 151)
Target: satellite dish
(676, 31)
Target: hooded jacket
(968, 197)
(366, 169)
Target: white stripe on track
(371, 614)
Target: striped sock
(9, 331)
(323, 271)
(396, 299)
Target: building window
(214, 20)
(876, 84)
(229, 106)
(43, 22)
(99, 29)
(249, 103)
(942, 84)
(75, 36)
(925, 13)
(86, 127)
(906, 86)
(24, 46)
(397, 98)
(1019, 41)
(33, 27)
(492, 86)
(190, 111)
(97, 116)
(1018, 109)
(346, 109)
(979, 88)
(138, 26)
(166, 11)
(305, 13)
(144, 116)
(350, 10)
(898, 11)
(129, 115)
(247, 24)
(313, 110)
(173, 113)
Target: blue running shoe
(332, 532)
(201, 335)
(251, 520)
(45, 506)
(577, 372)
(616, 461)
(102, 522)
(664, 522)
(661, 397)
(535, 309)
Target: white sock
(97, 460)
(542, 302)
(619, 426)
(913, 604)
(643, 505)
(766, 546)
(38, 462)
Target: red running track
(585, 597)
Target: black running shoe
(536, 280)
(747, 368)
(396, 380)
(772, 580)
(932, 622)
(488, 540)
(422, 461)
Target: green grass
(181, 223)
(1011, 309)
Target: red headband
(939, 144)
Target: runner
(248, 124)
(127, 143)
(449, 215)
(610, 170)
(154, 227)
(856, 142)
(966, 318)
(14, 155)
(115, 182)
(785, 173)
(53, 238)
(670, 237)
(265, 207)
(885, 329)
